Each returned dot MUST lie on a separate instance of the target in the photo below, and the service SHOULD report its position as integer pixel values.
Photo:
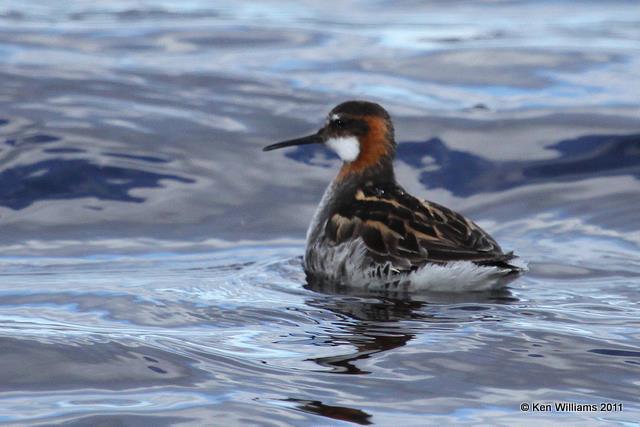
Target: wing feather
(409, 232)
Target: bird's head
(360, 132)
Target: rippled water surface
(150, 252)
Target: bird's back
(377, 233)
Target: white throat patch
(347, 148)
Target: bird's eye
(338, 123)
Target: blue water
(150, 252)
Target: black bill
(316, 138)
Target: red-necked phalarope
(369, 233)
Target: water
(150, 252)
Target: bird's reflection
(383, 321)
(342, 413)
(375, 322)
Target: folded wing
(397, 227)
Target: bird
(369, 233)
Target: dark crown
(361, 108)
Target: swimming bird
(368, 232)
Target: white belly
(348, 265)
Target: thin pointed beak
(316, 138)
